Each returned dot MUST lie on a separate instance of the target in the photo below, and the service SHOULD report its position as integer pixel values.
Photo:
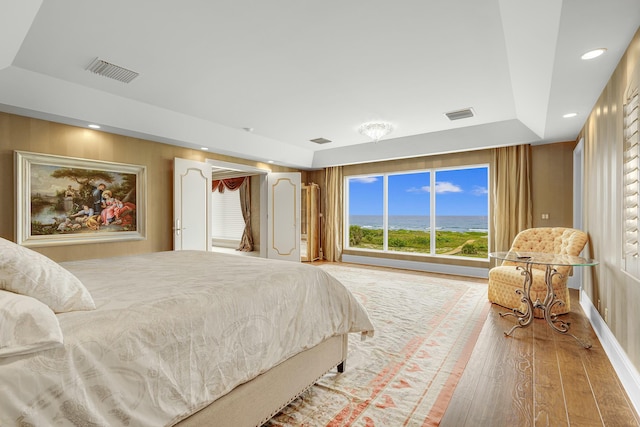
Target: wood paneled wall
(421, 163)
(552, 184)
(608, 287)
(40, 136)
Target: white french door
(283, 217)
(191, 205)
(192, 211)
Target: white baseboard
(419, 266)
(626, 371)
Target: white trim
(480, 272)
(627, 372)
(238, 167)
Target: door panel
(283, 220)
(191, 205)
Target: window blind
(630, 178)
(227, 221)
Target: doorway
(278, 196)
(226, 170)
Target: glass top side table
(525, 261)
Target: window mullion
(385, 212)
(432, 210)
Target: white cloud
(424, 189)
(447, 187)
(441, 187)
(365, 179)
(479, 191)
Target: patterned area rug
(426, 327)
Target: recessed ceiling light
(594, 53)
(94, 126)
(269, 161)
(569, 115)
(204, 148)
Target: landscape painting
(65, 200)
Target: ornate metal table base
(550, 301)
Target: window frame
(432, 208)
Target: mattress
(172, 332)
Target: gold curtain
(246, 242)
(332, 228)
(512, 210)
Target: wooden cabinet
(310, 223)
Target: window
(462, 206)
(366, 212)
(227, 222)
(409, 201)
(436, 212)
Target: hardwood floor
(538, 377)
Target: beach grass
(472, 244)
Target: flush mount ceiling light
(594, 53)
(569, 115)
(375, 130)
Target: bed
(184, 338)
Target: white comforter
(172, 332)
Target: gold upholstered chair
(505, 278)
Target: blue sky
(458, 192)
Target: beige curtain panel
(246, 242)
(512, 211)
(332, 228)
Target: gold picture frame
(67, 200)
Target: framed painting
(67, 200)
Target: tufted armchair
(505, 279)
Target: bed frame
(255, 402)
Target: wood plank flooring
(538, 377)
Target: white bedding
(171, 332)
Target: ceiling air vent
(460, 114)
(106, 69)
(320, 140)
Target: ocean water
(421, 222)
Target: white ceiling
(299, 69)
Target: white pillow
(27, 325)
(27, 272)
